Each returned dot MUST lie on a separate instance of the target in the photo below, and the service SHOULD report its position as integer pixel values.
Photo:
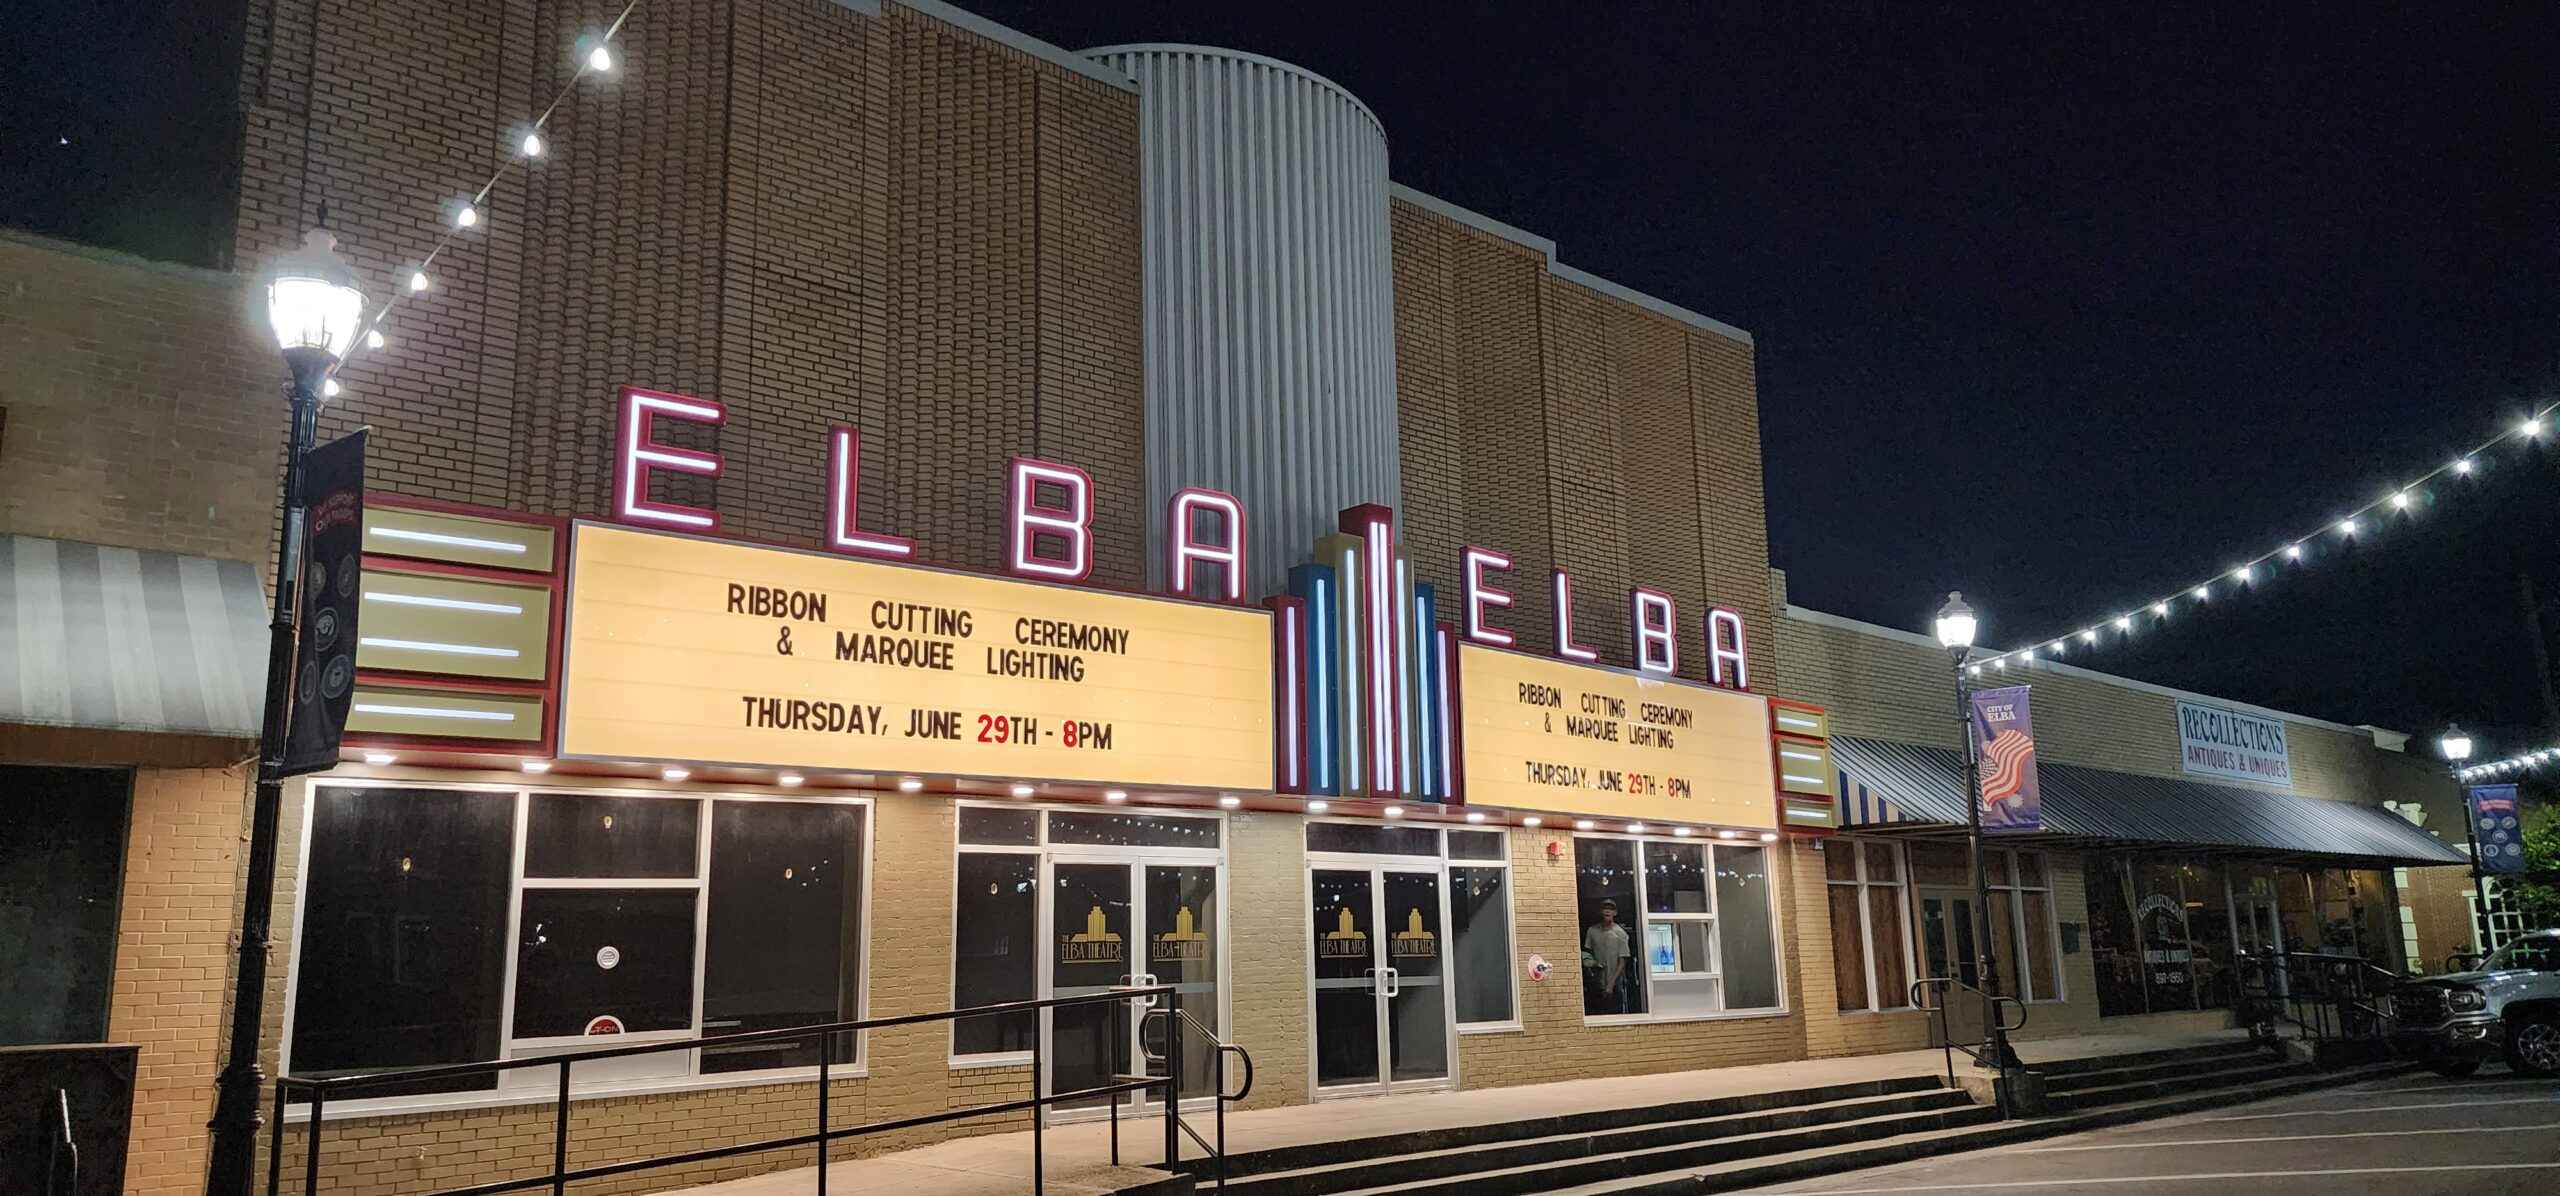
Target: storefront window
(62, 840)
(403, 956)
(1870, 945)
(995, 949)
(1674, 928)
(624, 914)
(785, 931)
(1480, 925)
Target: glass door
(1118, 923)
(1946, 935)
(1382, 998)
(1345, 917)
(1092, 926)
(1180, 927)
(1414, 993)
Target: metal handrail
(1224, 1048)
(62, 1154)
(1947, 1046)
(319, 1089)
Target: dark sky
(2063, 314)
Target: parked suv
(2510, 1004)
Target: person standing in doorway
(1605, 945)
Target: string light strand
(2532, 759)
(595, 57)
(2091, 636)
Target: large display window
(2167, 932)
(454, 924)
(1675, 928)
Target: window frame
(1866, 916)
(2017, 890)
(1043, 852)
(520, 794)
(1715, 913)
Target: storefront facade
(1017, 538)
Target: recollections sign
(2215, 741)
(684, 649)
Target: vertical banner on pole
(2495, 827)
(2004, 735)
(324, 656)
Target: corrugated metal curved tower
(1270, 343)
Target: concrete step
(1814, 1162)
(2260, 1070)
(2066, 1067)
(2078, 1081)
(1476, 1161)
(1350, 1149)
(1629, 1164)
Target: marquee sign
(687, 649)
(1544, 734)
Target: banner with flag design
(2004, 735)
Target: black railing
(320, 1091)
(1991, 1014)
(2326, 997)
(62, 1151)
(1171, 1058)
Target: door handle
(1395, 982)
(1148, 980)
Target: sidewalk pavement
(1078, 1155)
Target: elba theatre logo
(1345, 941)
(1413, 942)
(1096, 943)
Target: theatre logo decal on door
(689, 649)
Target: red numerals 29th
(1013, 728)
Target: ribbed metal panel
(1270, 365)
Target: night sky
(2065, 312)
(2064, 315)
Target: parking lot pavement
(2407, 1135)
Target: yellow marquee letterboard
(1542, 734)
(702, 650)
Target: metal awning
(1886, 785)
(120, 639)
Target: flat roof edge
(1008, 36)
(1547, 249)
(1845, 623)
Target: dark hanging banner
(2495, 829)
(324, 658)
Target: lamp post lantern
(315, 311)
(1956, 625)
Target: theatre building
(890, 516)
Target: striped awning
(1889, 785)
(126, 640)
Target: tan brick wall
(142, 408)
(1570, 428)
(174, 963)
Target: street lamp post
(1956, 626)
(314, 309)
(2455, 746)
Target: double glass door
(1947, 927)
(1382, 1012)
(1119, 923)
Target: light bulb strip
(480, 197)
(2352, 524)
(2532, 759)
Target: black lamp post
(1956, 626)
(2455, 746)
(315, 310)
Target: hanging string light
(595, 56)
(2510, 765)
(2295, 551)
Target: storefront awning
(118, 639)
(1902, 786)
